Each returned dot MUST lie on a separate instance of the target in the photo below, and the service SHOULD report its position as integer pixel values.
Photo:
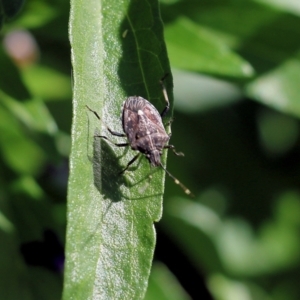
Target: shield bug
(143, 127)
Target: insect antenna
(185, 189)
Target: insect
(144, 130)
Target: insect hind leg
(164, 90)
(174, 150)
(130, 163)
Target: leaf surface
(117, 51)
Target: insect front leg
(112, 142)
(110, 130)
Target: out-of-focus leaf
(163, 285)
(35, 14)
(117, 51)
(33, 113)
(12, 139)
(226, 288)
(279, 88)
(245, 27)
(196, 93)
(291, 6)
(194, 227)
(47, 83)
(278, 132)
(234, 247)
(10, 80)
(9, 8)
(11, 260)
(195, 48)
(28, 217)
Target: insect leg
(111, 131)
(130, 163)
(116, 144)
(164, 90)
(169, 124)
(174, 150)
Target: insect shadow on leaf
(145, 133)
(107, 170)
(106, 179)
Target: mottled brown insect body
(144, 129)
(145, 132)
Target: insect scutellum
(144, 130)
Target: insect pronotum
(144, 130)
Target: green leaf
(230, 245)
(41, 80)
(38, 13)
(290, 6)
(192, 47)
(10, 80)
(243, 28)
(117, 51)
(194, 227)
(12, 139)
(279, 88)
(163, 285)
(214, 92)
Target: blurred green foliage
(236, 82)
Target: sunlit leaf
(279, 88)
(117, 51)
(195, 48)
